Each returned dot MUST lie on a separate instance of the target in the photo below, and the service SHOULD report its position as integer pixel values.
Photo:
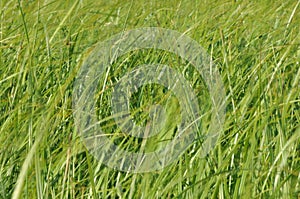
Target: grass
(254, 44)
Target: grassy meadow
(254, 44)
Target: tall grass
(255, 45)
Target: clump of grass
(255, 46)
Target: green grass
(255, 45)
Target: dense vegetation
(254, 44)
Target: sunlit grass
(255, 45)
